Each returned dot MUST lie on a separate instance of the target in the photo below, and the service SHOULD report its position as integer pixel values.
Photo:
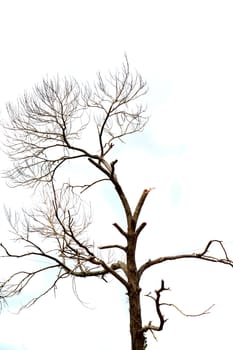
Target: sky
(184, 50)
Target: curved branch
(201, 256)
(205, 312)
(158, 305)
(110, 246)
(162, 320)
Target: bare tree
(48, 129)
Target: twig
(205, 312)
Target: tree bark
(137, 336)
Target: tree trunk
(137, 336)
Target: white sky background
(184, 50)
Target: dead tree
(46, 130)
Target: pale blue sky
(184, 50)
